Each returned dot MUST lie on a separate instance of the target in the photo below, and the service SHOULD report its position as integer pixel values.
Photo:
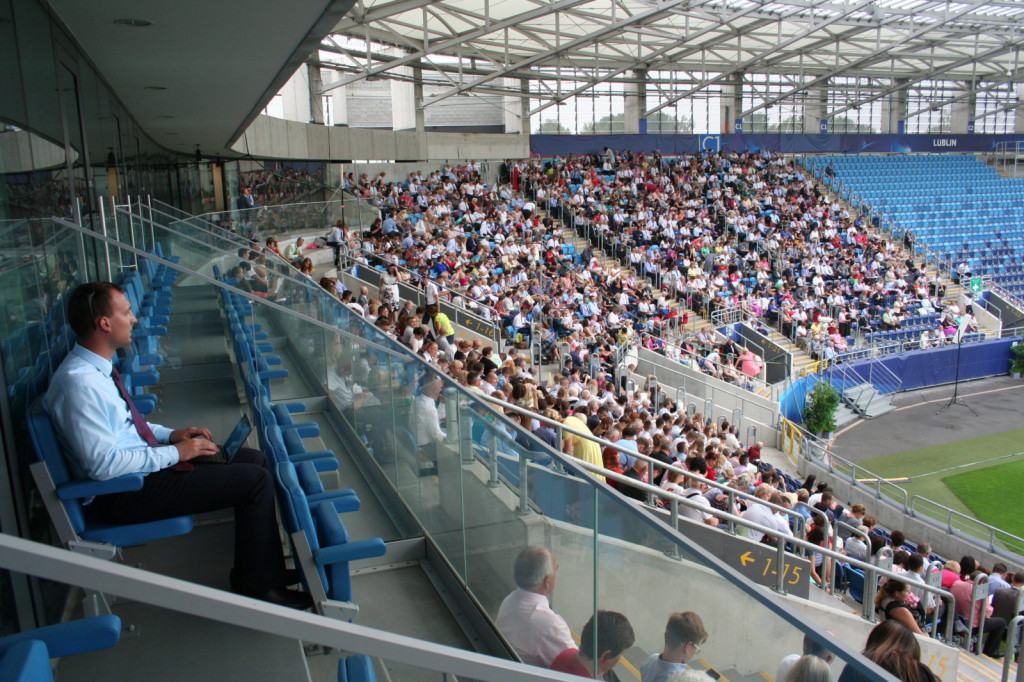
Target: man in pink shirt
(995, 628)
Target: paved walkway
(921, 420)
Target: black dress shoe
(293, 599)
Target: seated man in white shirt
(525, 618)
(695, 493)
(425, 424)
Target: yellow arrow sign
(746, 558)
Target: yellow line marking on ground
(708, 666)
(630, 667)
(975, 664)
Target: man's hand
(179, 435)
(190, 448)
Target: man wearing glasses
(684, 636)
(104, 436)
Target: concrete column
(636, 104)
(417, 93)
(403, 98)
(339, 101)
(896, 110)
(815, 109)
(511, 112)
(292, 102)
(316, 100)
(1018, 113)
(732, 101)
(963, 111)
(524, 106)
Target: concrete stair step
(879, 406)
(844, 416)
(973, 668)
(734, 675)
(866, 400)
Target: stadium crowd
(747, 232)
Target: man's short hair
(532, 566)
(999, 567)
(857, 509)
(813, 647)
(88, 302)
(684, 627)
(915, 563)
(614, 635)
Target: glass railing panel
(286, 220)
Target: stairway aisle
(973, 668)
(802, 361)
(695, 322)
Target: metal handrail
(719, 385)
(682, 351)
(1012, 298)
(415, 275)
(561, 428)
(217, 231)
(871, 572)
(911, 504)
(1013, 641)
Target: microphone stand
(956, 399)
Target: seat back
(49, 451)
(26, 661)
(303, 517)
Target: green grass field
(992, 494)
(980, 477)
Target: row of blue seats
(311, 515)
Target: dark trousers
(995, 628)
(245, 484)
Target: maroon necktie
(140, 424)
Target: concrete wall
(275, 138)
(893, 517)
(755, 410)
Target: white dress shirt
(537, 633)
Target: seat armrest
(305, 429)
(343, 500)
(75, 490)
(73, 637)
(350, 551)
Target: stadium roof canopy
(487, 46)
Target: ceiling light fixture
(133, 23)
